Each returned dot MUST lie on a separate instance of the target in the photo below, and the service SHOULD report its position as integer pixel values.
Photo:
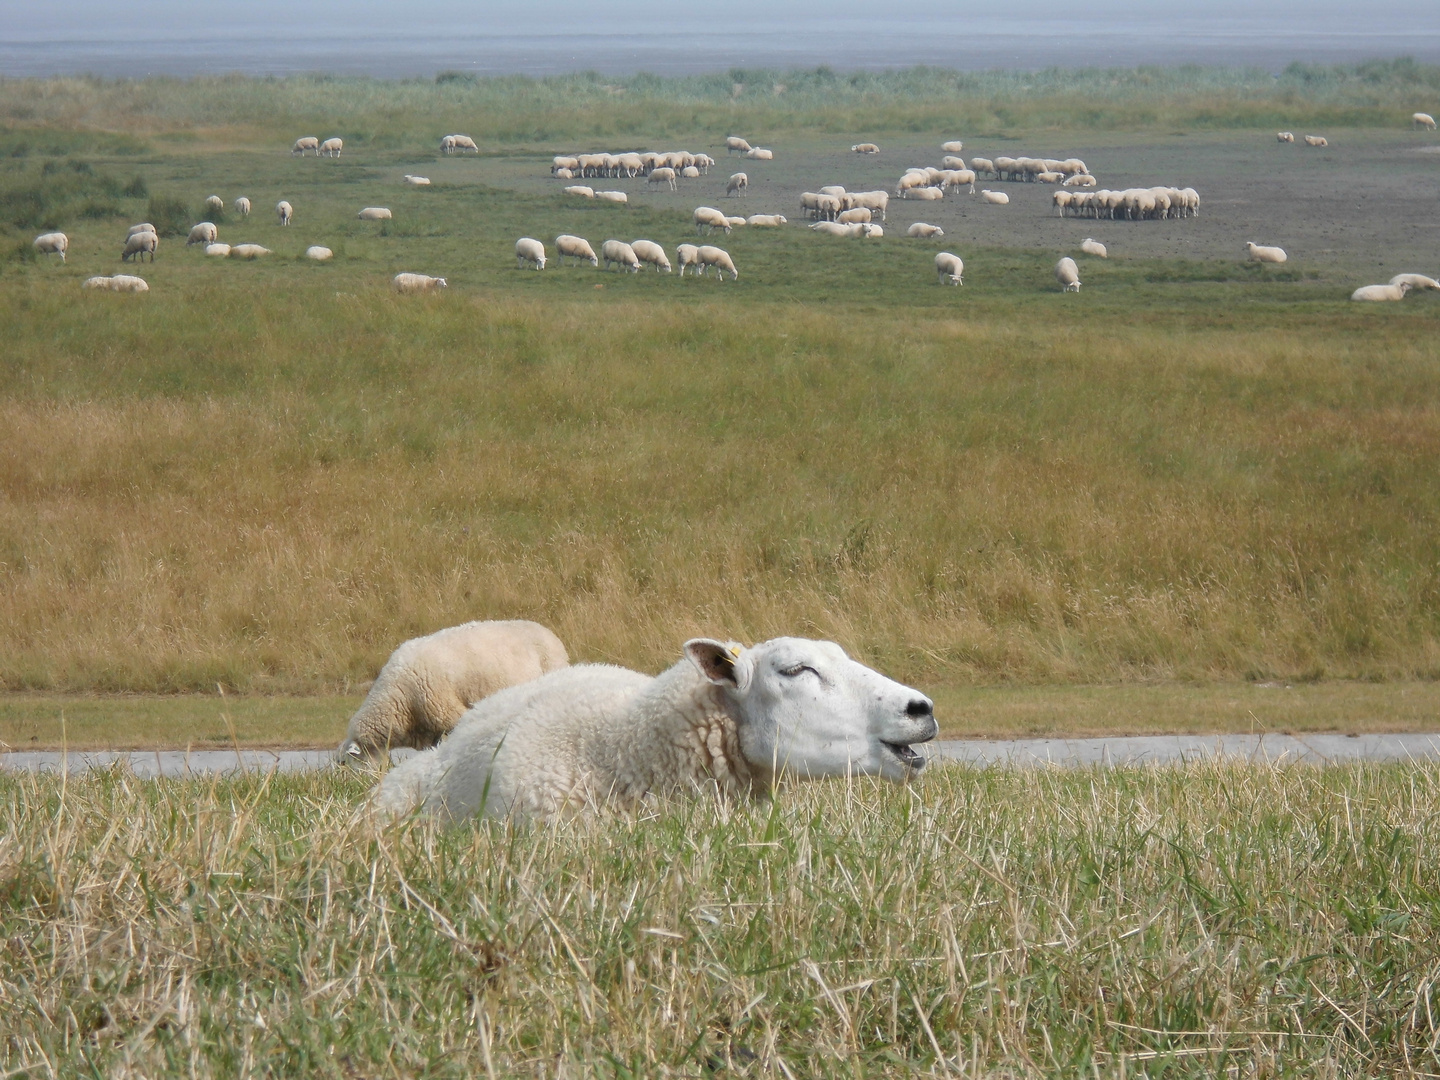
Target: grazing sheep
(215, 204)
(118, 283)
(581, 190)
(865, 148)
(331, 147)
(428, 682)
(1381, 292)
(217, 251)
(688, 255)
(416, 283)
(417, 181)
(1415, 281)
(1423, 119)
(924, 231)
(612, 196)
(708, 219)
(285, 211)
(720, 259)
(1316, 140)
(984, 165)
(1094, 247)
(995, 198)
(760, 154)
(203, 233)
(662, 176)
(955, 178)
(736, 145)
(458, 144)
(737, 184)
(1265, 254)
(569, 164)
(242, 206)
(140, 244)
(953, 147)
(1068, 274)
(248, 251)
(950, 267)
(375, 213)
(621, 254)
(52, 243)
(529, 251)
(1285, 136)
(647, 251)
(318, 253)
(871, 200)
(768, 221)
(575, 247)
(952, 162)
(308, 142)
(725, 719)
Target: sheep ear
(725, 664)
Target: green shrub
(169, 215)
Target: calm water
(259, 37)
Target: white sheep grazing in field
(217, 251)
(375, 213)
(760, 154)
(855, 215)
(952, 162)
(581, 190)
(203, 233)
(950, 267)
(416, 181)
(984, 165)
(307, 142)
(688, 255)
(1265, 254)
(736, 145)
(1094, 247)
(647, 251)
(429, 682)
(621, 254)
(865, 148)
(284, 211)
(737, 184)
(871, 200)
(417, 283)
(725, 719)
(570, 164)
(612, 196)
(924, 194)
(1062, 200)
(528, 252)
(458, 144)
(332, 147)
(708, 219)
(242, 206)
(248, 251)
(118, 283)
(575, 247)
(1423, 119)
(922, 231)
(720, 259)
(955, 146)
(767, 221)
(215, 204)
(1316, 140)
(1285, 136)
(140, 244)
(52, 243)
(318, 253)
(1415, 281)
(664, 175)
(1381, 292)
(995, 198)
(1068, 274)
(956, 178)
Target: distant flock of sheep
(631, 257)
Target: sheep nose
(919, 707)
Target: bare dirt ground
(1365, 207)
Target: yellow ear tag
(735, 651)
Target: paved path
(1129, 750)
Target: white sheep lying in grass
(718, 258)
(856, 215)
(306, 142)
(284, 211)
(242, 206)
(924, 194)
(924, 231)
(1423, 119)
(217, 251)
(835, 228)
(429, 682)
(375, 213)
(953, 147)
(417, 181)
(1265, 254)
(583, 190)
(759, 153)
(529, 252)
(331, 147)
(1068, 274)
(725, 718)
(248, 251)
(995, 198)
(1316, 140)
(1381, 292)
(1094, 247)
(575, 247)
(647, 251)
(612, 196)
(144, 226)
(117, 283)
(318, 253)
(621, 254)
(1415, 281)
(1285, 136)
(769, 221)
(52, 243)
(417, 283)
(203, 233)
(865, 148)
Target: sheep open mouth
(907, 754)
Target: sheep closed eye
(791, 672)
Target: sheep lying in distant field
(242, 206)
(375, 213)
(720, 259)
(688, 255)
(612, 196)
(575, 247)
(950, 267)
(760, 154)
(769, 221)
(1258, 253)
(865, 148)
(736, 145)
(52, 243)
(1094, 247)
(620, 254)
(529, 252)
(248, 251)
(203, 233)
(996, 198)
(331, 147)
(1381, 292)
(925, 232)
(1423, 119)
(582, 190)
(1415, 281)
(725, 719)
(308, 142)
(318, 253)
(953, 147)
(417, 283)
(118, 283)
(708, 219)
(950, 161)
(924, 194)
(647, 251)
(1068, 274)
(1316, 140)
(836, 228)
(284, 211)
(737, 184)
(1084, 180)
(140, 244)
(217, 251)
(429, 682)
(144, 226)
(1285, 136)
(855, 215)
(417, 181)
